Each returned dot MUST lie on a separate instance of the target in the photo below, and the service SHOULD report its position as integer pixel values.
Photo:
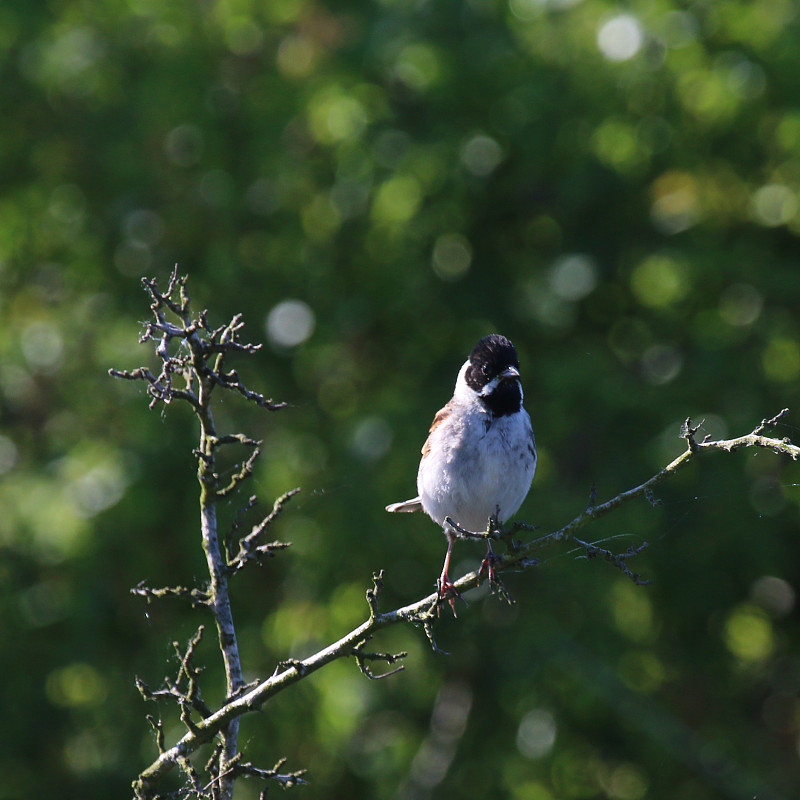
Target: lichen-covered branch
(250, 547)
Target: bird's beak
(509, 373)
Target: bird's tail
(406, 506)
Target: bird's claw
(487, 565)
(446, 590)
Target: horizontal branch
(694, 448)
(199, 598)
(286, 675)
(231, 380)
(423, 612)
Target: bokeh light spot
(766, 496)
(748, 633)
(321, 218)
(67, 203)
(75, 685)
(706, 95)
(418, 66)
(679, 29)
(44, 603)
(336, 116)
(536, 734)
(774, 594)
(573, 276)
(774, 204)
(526, 10)
(338, 396)
(529, 790)
(661, 363)
(350, 197)
(133, 258)
(290, 323)
(740, 304)
(616, 144)
(184, 145)
(626, 782)
(781, 359)
(371, 438)
(296, 56)
(633, 611)
(42, 345)
(675, 202)
(100, 487)
(144, 227)
(620, 38)
(787, 132)
(642, 671)
(284, 11)
(397, 200)
(452, 256)
(243, 36)
(481, 155)
(660, 280)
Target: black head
(493, 373)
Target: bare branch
(771, 423)
(286, 779)
(158, 729)
(362, 657)
(231, 380)
(242, 474)
(373, 594)
(619, 560)
(197, 597)
(249, 549)
(185, 688)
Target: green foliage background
(615, 187)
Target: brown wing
(441, 415)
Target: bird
(479, 459)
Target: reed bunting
(480, 456)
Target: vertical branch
(219, 596)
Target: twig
(619, 560)
(362, 657)
(249, 549)
(286, 779)
(198, 597)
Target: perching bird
(480, 456)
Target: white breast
(475, 463)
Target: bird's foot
(487, 565)
(446, 590)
